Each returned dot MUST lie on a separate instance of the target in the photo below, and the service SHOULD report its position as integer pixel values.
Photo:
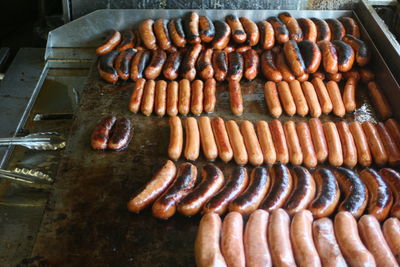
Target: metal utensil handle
(26, 176)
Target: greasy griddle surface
(86, 222)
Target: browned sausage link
(121, 134)
(295, 32)
(336, 28)
(379, 100)
(303, 132)
(281, 186)
(204, 64)
(354, 190)
(393, 128)
(329, 57)
(268, 67)
(235, 97)
(222, 34)
(243, 48)
(392, 178)
(110, 43)
(160, 98)
(188, 70)
(138, 42)
(221, 138)
(287, 74)
(220, 65)
(162, 35)
(328, 193)
(207, 29)
(128, 41)
(318, 137)
(363, 153)
(136, 97)
(353, 73)
(176, 32)
(303, 190)
(106, 68)
(139, 63)
(251, 29)
(147, 34)
(308, 28)
(280, 30)
(294, 58)
(345, 55)
(363, 53)
(156, 64)
(191, 28)
(250, 199)
(278, 136)
(251, 64)
(319, 74)
(235, 66)
(335, 154)
(390, 146)
(238, 33)
(165, 206)
(236, 184)
(267, 35)
(375, 143)
(147, 105)
(349, 94)
(101, 133)
(348, 146)
(123, 63)
(366, 75)
(172, 64)
(196, 104)
(311, 55)
(212, 181)
(380, 197)
(209, 95)
(323, 31)
(337, 77)
(350, 26)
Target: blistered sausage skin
(327, 193)
(272, 99)
(311, 55)
(391, 232)
(184, 97)
(172, 64)
(176, 138)
(160, 181)
(323, 30)
(235, 97)
(348, 145)
(105, 66)
(207, 139)
(160, 98)
(192, 134)
(286, 98)
(191, 28)
(176, 32)
(136, 97)
(354, 190)
(238, 33)
(375, 143)
(293, 143)
(101, 133)
(251, 64)
(319, 141)
(196, 103)
(268, 67)
(379, 100)
(139, 63)
(147, 105)
(207, 29)
(220, 65)
(172, 98)
(161, 33)
(123, 63)
(336, 28)
(278, 137)
(222, 34)
(251, 30)
(188, 66)
(362, 51)
(392, 178)
(345, 55)
(204, 64)
(251, 143)
(280, 30)
(267, 35)
(165, 205)
(225, 152)
(235, 185)
(209, 95)
(284, 69)
(364, 157)
(237, 141)
(266, 142)
(295, 32)
(121, 134)
(350, 26)
(298, 97)
(235, 66)
(308, 28)
(307, 147)
(250, 199)
(294, 58)
(329, 57)
(312, 99)
(391, 147)
(147, 34)
(112, 42)
(232, 240)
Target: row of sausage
(269, 188)
(275, 239)
(298, 143)
(192, 29)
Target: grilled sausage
(204, 64)
(209, 95)
(323, 30)
(172, 64)
(232, 240)
(301, 236)
(355, 253)
(281, 186)
(196, 105)
(237, 142)
(372, 237)
(121, 134)
(147, 106)
(235, 97)
(184, 97)
(311, 55)
(112, 42)
(308, 28)
(350, 26)
(336, 98)
(251, 64)
(303, 78)
(312, 99)
(106, 68)
(278, 137)
(266, 142)
(207, 247)
(391, 231)
(222, 34)
(268, 67)
(349, 94)
(345, 55)
(393, 128)
(207, 140)
(319, 141)
(238, 33)
(335, 154)
(327, 193)
(176, 138)
(329, 57)
(303, 190)
(235, 66)
(236, 184)
(221, 137)
(253, 147)
(172, 98)
(147, 35)
(295, 32)
(354, 190)
(337, 29)
(160, 181)
(375, 143)
(207, 29)
(139, 63)
(353, 73)
(123, 63)
(280, 30)
(366, 75)
(192, 145)
(307, 147)
(298, 97)
(363, 152)
(160, 98)
(137, 94)
(161, 33)
(191, 28)
(101, 133)
(188, 67)
(326, 244)
(165, 205)
(220, 65)
(272, 99)
(392, 178)
(362, 51)
(391, 147)
(348, 145)
(294, 58)
(176, 32)
(251, 30)
(267, 35)
(250, 199)
(279, 239)
(319, 74)
(323, 95)
(379, 100)
(337, 77)
(284, 69)
(293, 143)
(286, 98)
(255, 240)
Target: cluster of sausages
(171, 98)
(111, 133)
(298, 143)
(275, 239)
(293, 189)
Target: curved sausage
(238, 33)
(286, 98)
(284, 69)
(319, 141)
(345, 55)
(349, 94)
(252, 145)
(375, 143)
(235, 66)
(272, 99)
(312, 99)
(293, 143)
(329, 57)
(101, 133)
(267, 35)
(139, 63)
(184, 97)
(363, 153)
(379, 100)
(308, 28)
(391, 231)
(337, 29)
(280, 30)
(323, 30)
(295, 32)
(391, 147)
(160, 98)
(147, 106)
(137, 94)
(196, 105)
(188, 67)
(268, 67)
(147, 35)
(323, 95)
(278, 137)
(307, 147)
(335, 154)
(298, 97)
(204, 64)
(176, 32)
(207, 29)
(123, 63)
(172, 64)
(221, 137)
(160, 181)
(176, 138)
(106, 68)
(237, 141)
(363, 53)
(336, 98)
(348, 145)
(191, 28)
(392, 178)
(251, 64)
(161, 33)
(222, 34)
(350, 26)
(232, 240)
(112, 42)
(311, 55)
(192, 144)
(235, 97)
(220, 65)
(294, 58)
(328, 193)
(172, 98)
(251, 29)
(209, 95)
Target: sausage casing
(147, 34)
(237, 141)
(147, 106)
(335, 153)
(101, 133)
(319, 141)
(137, 94)
(278, 137)
(266, 142)
(307, 147)
(364, 157)
(207, 140)
(225, 152)
(392, 178)
(176, 138)
(192, 144)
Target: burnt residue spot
(238, 32)
(344, 51)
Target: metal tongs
(37, 141)
(26, 176)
